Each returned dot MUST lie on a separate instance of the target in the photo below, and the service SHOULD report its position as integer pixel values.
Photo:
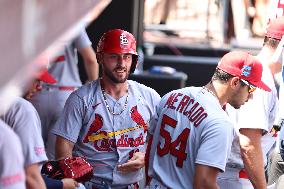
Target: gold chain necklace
(108, 107)
(208, 90)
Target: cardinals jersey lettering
(107, 140)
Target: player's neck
(114, 90)
(218, 92)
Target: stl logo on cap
(246, 70)
(123, 40)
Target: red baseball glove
(76, 168)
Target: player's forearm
(205, 177)
(34, 179)
(92, 70)
(275, 68)
(90, 63)
(251, 152)
(255, 169)
(63, 148)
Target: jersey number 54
(178, 146)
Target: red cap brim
(261, 85)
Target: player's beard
(115, 79)
(235, 103)
(236, 106)
(238, 100)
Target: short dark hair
(270, 42)
(221, 75)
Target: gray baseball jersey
(107, 140)
(12, 175)
(24, 120)
(264, 106)
(192, 128)
(65, 66)
(280, 117)
(49, 102)
(49, 105)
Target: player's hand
(134, 164)
(69, 183)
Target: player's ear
(234, 82)
(99, 57)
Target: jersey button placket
(117, 107)
(116, 118)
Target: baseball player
(50, 183)
(276, 9)
(276, 168)
(12, 174)
(24, 120)
(191, 140)
(107, 120)
(256, 136)
(50, 100)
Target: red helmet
(119, 41)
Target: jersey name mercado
(187, 106)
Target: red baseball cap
(275, 28)
(46, 77)
(245, 66)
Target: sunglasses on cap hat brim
(251, 87)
